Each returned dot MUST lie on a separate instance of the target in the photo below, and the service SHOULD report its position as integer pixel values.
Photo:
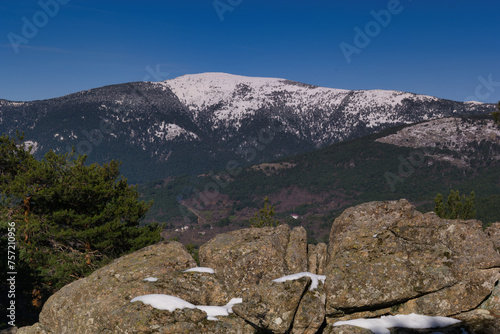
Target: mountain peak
(236, 95)
(222, 76)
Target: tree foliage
(71, 218)
(265, 216)
(456, 207)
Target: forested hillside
(317, 186)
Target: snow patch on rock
(172, 303)
(315, 279)
(414, 321)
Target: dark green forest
(356, 171)
(61, 219)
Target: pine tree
(456, 207)
(265, 216)
(469, 209)
(439, 205)
(71, 218)
(453, 205)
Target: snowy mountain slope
(240, 96)
(198, 122)
(451, 133)
(324, 115)
(227, 100)
(466, 140)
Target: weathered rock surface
(480, 322)
(463, 296)
(195, 287)
(37, 328)
(272, 306)
(493, 232)
(94, 303)
(296, 251)
(312, 259)
(139, 318)
(317, 257)
(310, 314)
(248, 257)
(387, 254)
(493, 301)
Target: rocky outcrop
(101, 303)
(310, 315)
(317, 258)
(272, 306)
(493, 301)
(384, 258)
(140, 318)
(296, 251)
(387, 254)
(91, 304)
(244, 258)
(37, 328)
(480, 322)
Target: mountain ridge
(197, 123)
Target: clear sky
(445, 48)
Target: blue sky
(448, 49)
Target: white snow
(171, 303)
(150, 279)
(164, 302)
(240, 95)
(33, 144)
(233, 302)
(415, 321)
(214, 311)
(201, 270)
(315, 278)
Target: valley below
(414, 162)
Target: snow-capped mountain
(199, 122)
(319, 111)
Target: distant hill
(412, 161)
(196, 123)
